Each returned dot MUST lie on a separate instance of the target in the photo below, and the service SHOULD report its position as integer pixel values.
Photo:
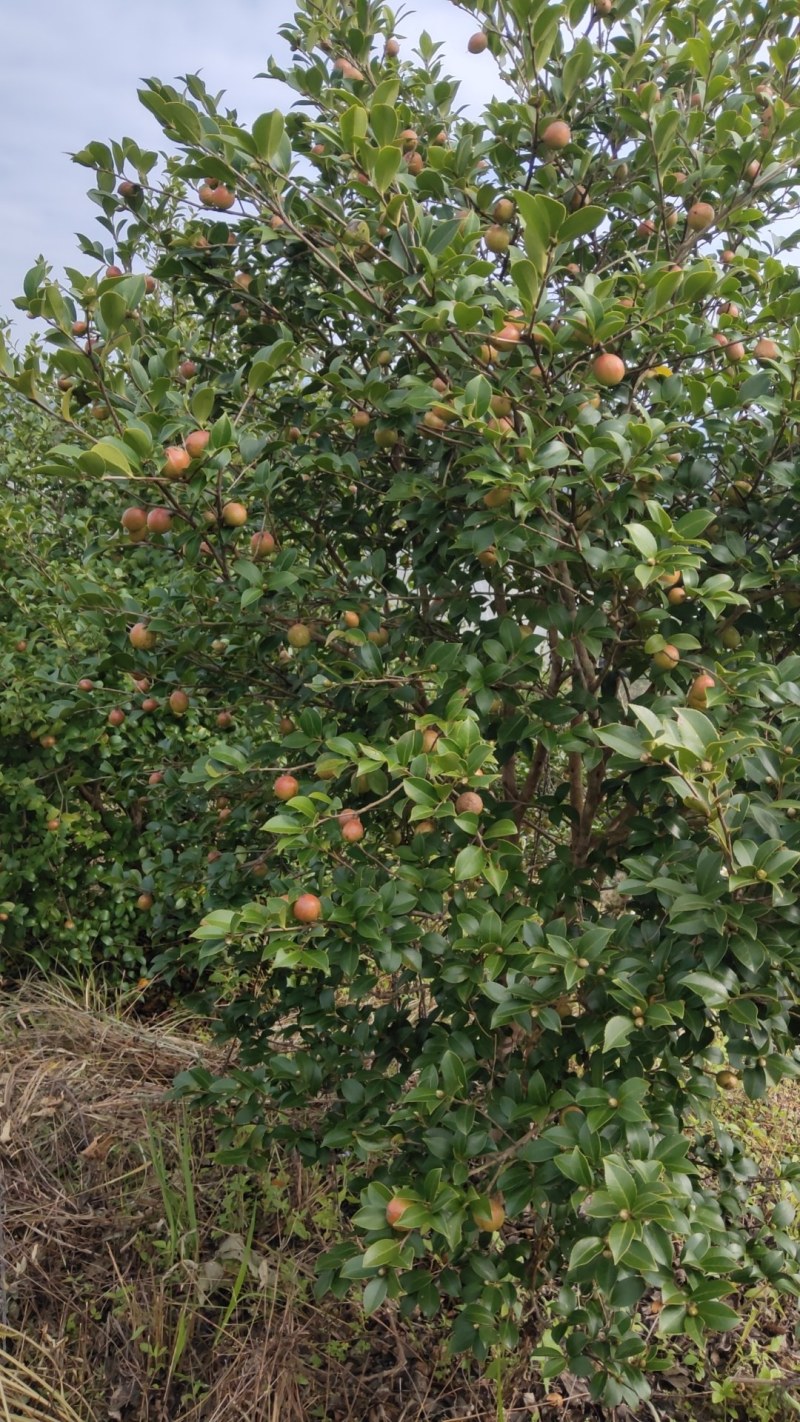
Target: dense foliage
(458, 662)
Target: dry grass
(140, 1281)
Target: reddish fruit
(85, 684)
(159, 520)
(127, 189)
(140, 681)
(698, 691)
(234, 515)
(360, 419)
(79, 328)
(176, 461)
(149, 704)
(53, 825)
(286, 787)
(116, 716)
(493, 1219)
(21, 645)
(469, 803)
(196, 443)
(307, 909)
(477, 43)
(414, 163)
(352, 830)
(144, 902)
(286, 725)
(261, 544)
(765, 349)
(608, 369)
(134, 520)
(141, 637)
(224, 720)
(155, 777)
(667, 658)
(178, 702)
(752, 170)
(222, 198)
(187, 369)
(734, 351)
(392, 48)
(558, 134)
(150, 285)
(700, 216)
(396, 1208)
(113, 271)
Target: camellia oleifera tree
(458, 462)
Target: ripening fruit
(700, 216)
(503, 210)
(53, 825)
(307, 909)
(391, 48)
(286, 725)
(47, 742)
(196, 443)
(495, 498)
(765, 349)
(734, 352)
(414, 163)
(469, 803)
(286, 787)
(351, 619)
(299, 635)
(224, 720)
(507, 337)
(149, 704)
(677, 595)
(396, 1208)
(667, 658)
(144, 902)
(608, 369)
(487, 557)
(79, 328)
(159, 520)
(155, 777)
(222, 198)
(347, 70)
(116, 716)
(429, 738)
(477, 43)
(134, 520)
(176, 461)
(360, 419)
(178, 702)
(261, 544)
(492, 1220)
(85, 684)
(141, 637)
(187, 369)
(752, 170)
(127, 189)
(558, 134)
(113, 271)
(234, 515)
(698, 691)
(728, 1080)
(352, 830)
(497, 239)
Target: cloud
(71, 75)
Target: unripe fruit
(144, 902)
(178, 702)
(352, 830)
(493, 1219)
(307, 909)
(134, 520)
(261, 544)
(286, 787)
(557, 134)
(499, 496)
(765, 349)
(477, 43)
(196, 443)
(385, 437)
(700, 216)
(116, 716)
(667, 658)
(159, 520)
(396, 1208)
(234, 515)
(608, 369)
(497, 239)
(731, 638)
(299, 635)
(728, 1080)
(469, 803)
(176, 461)
(141, 637)
(503, 210)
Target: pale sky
(69, 72)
